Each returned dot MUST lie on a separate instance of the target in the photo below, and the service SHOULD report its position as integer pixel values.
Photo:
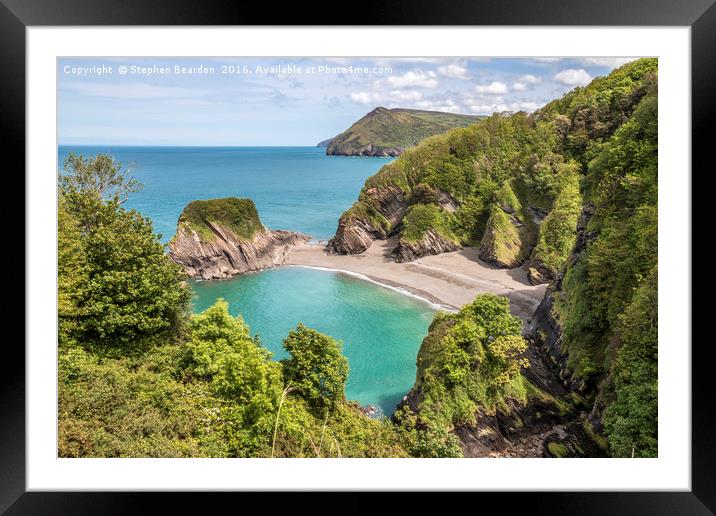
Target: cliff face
(598, 322)
(375, 216)
(510, 232)
(211, 242)
(431, 243)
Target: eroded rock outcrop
(510, 232)
(221, 238)
(374, 216)
(431, 243)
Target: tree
(100, 175)
(127, 290)
(317, 367)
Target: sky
(269, 101)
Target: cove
(381, 329)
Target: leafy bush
(469, 361)
(316, 367)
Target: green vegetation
(238, 215)
(533, 160)
(317, 368)
(510, 231)
(607, 303)
(631, 420)
(140, 377)
(117, 291)
(422, 217)
(559, 228)
(557, 449)
(394, 130)
(521, 183)
(470, 361)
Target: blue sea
(299, 189)
(296, 188)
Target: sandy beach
(450, 279)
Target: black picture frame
(699, 15)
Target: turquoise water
(381, 329)
(296, 188)
(300, 189)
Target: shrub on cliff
(469, 361)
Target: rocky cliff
(221, 238)
(375, 216)
(430, 244)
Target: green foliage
(217, 396)
(71, 274)
(117, 288)
(423, 441)
(590, 115)
(631, 420)
(423, 217)
(470, 361)
(238, 215)
(470, 219)
(316, 368)
(100, 175)
(604, 295)
(529, 154)
(558, 230)
(136, 381)
(134, 407)
(510, 231)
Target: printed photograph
(327, 257)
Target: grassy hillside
(388, 132)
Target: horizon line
(175, 145)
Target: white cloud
(494, 88)
(525, 105)
(364, 97)
(525, 81)
(547, 59)
(573, 77)
(530, 79)
(487, 108)
(609, 62)
(414, 79)
(447, 105)
(406, 96)
(453, 71)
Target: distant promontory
(388, 132)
